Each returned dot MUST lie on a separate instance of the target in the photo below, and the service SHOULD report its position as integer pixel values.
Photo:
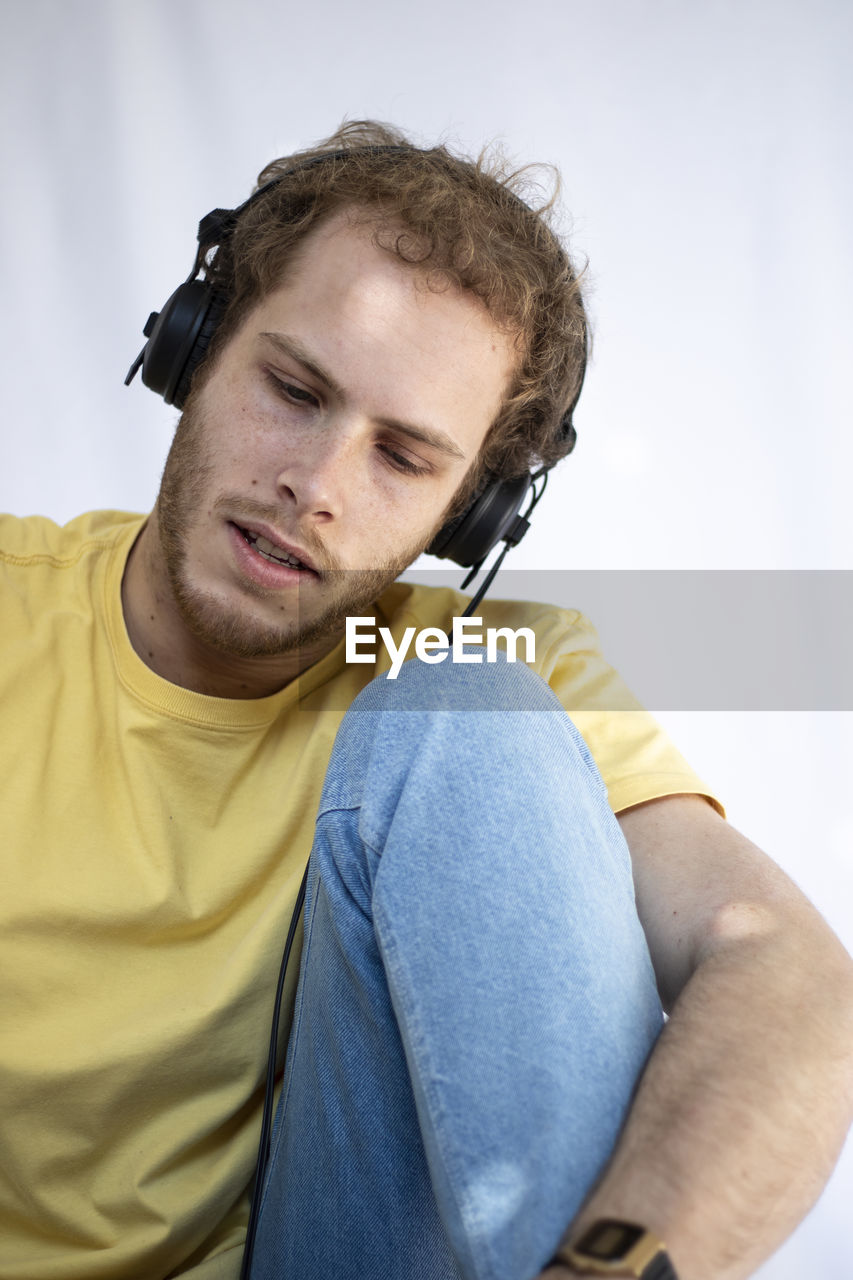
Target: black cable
(266, 1122)
(487, 581)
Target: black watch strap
(613, 1247)
(660, 1268)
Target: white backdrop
(705, 149)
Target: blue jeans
(476, 1000)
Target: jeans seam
(467, 1212)
(391, 966)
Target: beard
(226, 626)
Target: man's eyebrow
(433, 437)
(292, 347)
(430, 436)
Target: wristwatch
(614, 1248)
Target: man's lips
(268, 543)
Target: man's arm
(746, 1100)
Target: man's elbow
(800, 963)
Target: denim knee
(435, 727)
(482, 684)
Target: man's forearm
(744, 1105)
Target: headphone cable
(266, 1122)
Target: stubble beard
(229, 629)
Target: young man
(476, 1075)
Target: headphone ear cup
(443, 538)
(469, 537)
(171, 356)
(209, 325)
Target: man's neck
(161, 637)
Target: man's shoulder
(50, 568)
(33, 540)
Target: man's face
(319, 455)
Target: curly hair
(460, 222)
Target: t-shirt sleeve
(635, 756)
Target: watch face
(609, 1240)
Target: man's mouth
(269, 551)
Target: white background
(705, 148)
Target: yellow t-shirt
(153, 843)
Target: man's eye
(289, 391)
(401, 463)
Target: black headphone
(178, 338)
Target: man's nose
(317, 472)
